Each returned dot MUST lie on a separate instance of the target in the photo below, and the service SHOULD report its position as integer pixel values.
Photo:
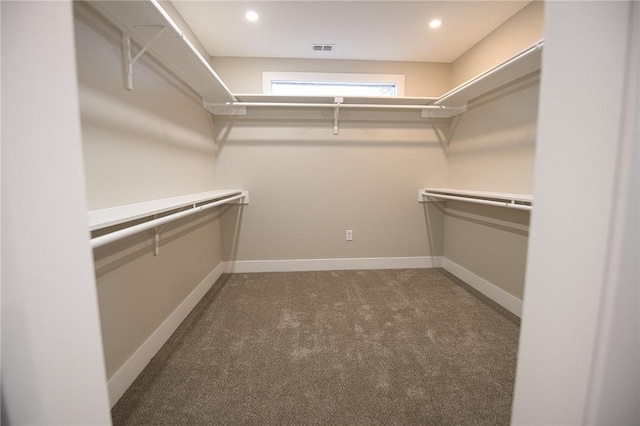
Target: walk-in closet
(320, 212)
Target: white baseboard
(243, 266)
(124, 377)
(490, 290)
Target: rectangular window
(332, 84)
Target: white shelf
(103, 218)
(453, 103)
(520, 65)
(142, 20)
(499, 199)
(351, 100)
(484, 194)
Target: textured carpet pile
(412, 346)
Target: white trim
(492, 291)
(242, 266)
(124, 377)
(269, 76)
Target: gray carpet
(412, 346)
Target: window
(332, 84)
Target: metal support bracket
(244, 200)
(228, 110)
(156, 241)
(443, 111)
(422, 197)
(336, 114)
(126, 52)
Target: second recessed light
(435, 23)
(252, 16)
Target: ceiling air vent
(322, 47)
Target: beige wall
(308, 186)
(519, 32)
(489, 241)
(493, 149)
(244, 75)
(493, 144)
(137, 291)
(149, 143)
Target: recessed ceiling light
(252, 16)
(435, 24)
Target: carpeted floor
(412, 346)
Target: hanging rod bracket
(441, 111)
(244, 200)
(422, 197)
(225, 109)
(126, 52)
(336, 113)
(156, 241)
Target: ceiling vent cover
(322, 47)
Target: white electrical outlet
(349, 235)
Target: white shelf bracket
(422, 197)
(336, 114)
(156, 241)
(126, 52)
(244, 200)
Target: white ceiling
(368, 30)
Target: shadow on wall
(160, 108)
(293, 127)
(230, 235)
(499, 218)
(127, 250)
(490, 242)
(434, 226)
(499, 120)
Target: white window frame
(269, 76)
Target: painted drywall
(493, 149)
(52, 364)
(137, 291)
(577, 160)
(519, 32)
(493, 144)
(244, 75)
(152, 142)
(489, 241)
(614, 396)
(308, 186)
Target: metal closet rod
(509, 204)
(132, 230)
